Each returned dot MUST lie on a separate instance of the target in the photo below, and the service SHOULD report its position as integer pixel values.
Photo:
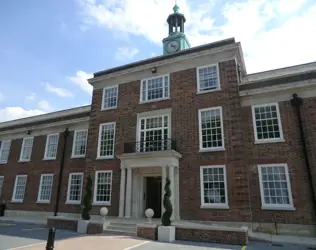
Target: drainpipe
(297, 102)
(62, 162)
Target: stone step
(121, 228)
(119, 232)
(119, 224)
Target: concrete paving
(29, 236)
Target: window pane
(46, 187)
(80, 142)
(107, 139)
(214, 185)
(155, 88)
(275, 189)
(52, 145)
(1, 184)
(267, 122)
(103, 187)
(75, 187)
(20, 183)
(211, 130)
(208, 78)
(110, 96)
(4, 151)
(26, 149)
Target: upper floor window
(267, 122)
(213, 187)
(19, 188)
(80, 143)
(154, 133)
(211, 129)
(208, 78)
(45, 189)
(275, 186)
(51, 147)
(110, 96)
(155, 88)
(106, 140)
(26, 149)
(4, 151)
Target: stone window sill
(208, 91)
(214, 206)
(278, 208)
(269, 141)
(211, 150)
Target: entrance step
(121, 228)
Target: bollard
(50, 239)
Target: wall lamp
(28, 132)
(153, 70)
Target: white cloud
(45, 106)
(12, 113)
(273, 33)
(126, 53)
(30, 97)
(58, 91)
(80, 79)
(1, 97)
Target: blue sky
(49, 48)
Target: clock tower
(176, 40)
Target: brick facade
(241, 155)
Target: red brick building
(239, 148)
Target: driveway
(14, 235)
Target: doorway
(153, 195)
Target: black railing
(150, 146)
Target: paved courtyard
(28, 236)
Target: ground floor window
(213, 186)
(1, 184)
(103, 187)
(275, 186)
(74, 188)
(19, 188)
(45, 189)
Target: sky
(49, 48)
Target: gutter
(297, 102)
(62, 163)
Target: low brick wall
(62, 223)
(147, 231)
(234, 236)
(95, 228)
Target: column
(171, 177)
(128, 193)
(122, 193)
(177, 194)
(163, 183)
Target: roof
(168, 56)
(67, 114)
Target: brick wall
(60, 223)
(33, 169)
(147, 231)
(95, 228)
(234, 237)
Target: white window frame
(40, 189)
(1, 184)
(74, 144)
(199, 91)
(145, 81)
(46, 145)
(14, 190)
(281, 139)
(222, 129)
(99, 141)
(1, 150)
(95, 202)
(103, 93)
(276, 206)
(68, 189)
(22, 149)
(213, 205)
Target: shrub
(87, 200)
(167, 205)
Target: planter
(82, 226)
(166, 234)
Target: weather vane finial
(176, 7)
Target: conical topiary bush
(167, 205)
(87, 200)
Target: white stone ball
(104, 211)
(149, 213)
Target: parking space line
(140, 244)
(243, 248)
(31, 245)
(7, 224)
(33, 229)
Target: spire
(176, 8)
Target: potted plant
(166, 232)
(87, 206)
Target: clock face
(173, 46)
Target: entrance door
(153, 195)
